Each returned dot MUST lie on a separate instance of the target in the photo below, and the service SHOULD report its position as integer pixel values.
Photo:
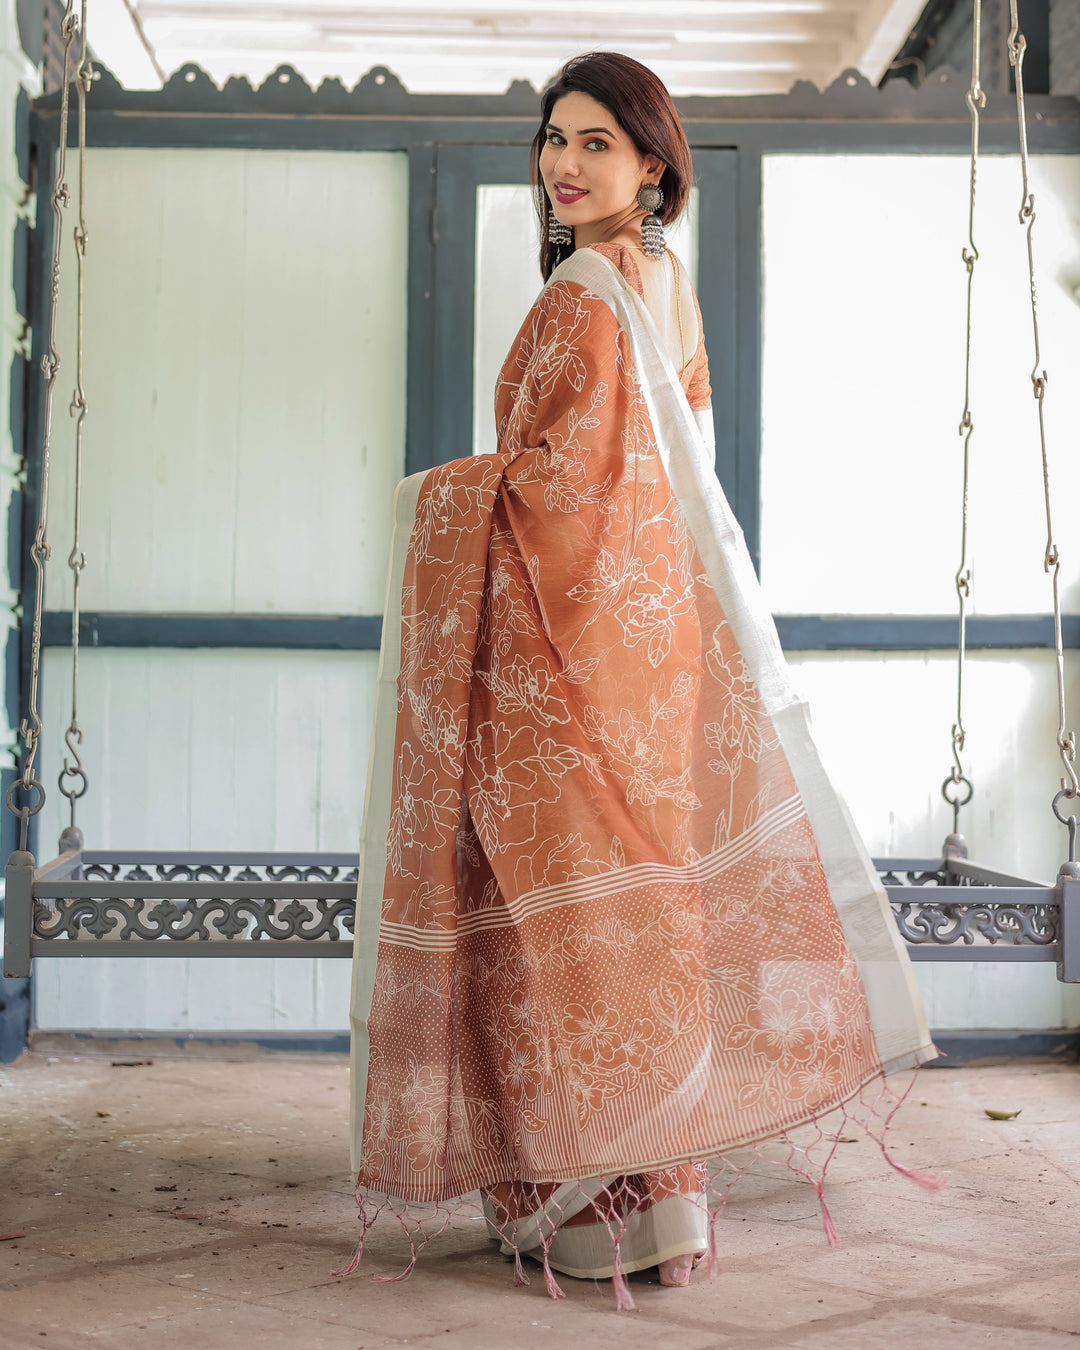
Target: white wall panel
(180, 996)
(863, 383)
(884, 723)
(974, 995)
(213, 750)
(245, 373)
(883, 726)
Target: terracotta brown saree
(613, 920)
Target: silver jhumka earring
(559, 235)
(650, 198)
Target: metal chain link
(952, 789)
(30, 727)
(1066, 739)
(73, 781)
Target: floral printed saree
(613, 920)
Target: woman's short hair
(642, 106)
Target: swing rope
(28, 783)
(957, 788)
(1066, 740)
(73, 781)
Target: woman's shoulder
(576, 269)
(622, 257)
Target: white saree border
(649, 1236)
(684, 442)
(376, 823)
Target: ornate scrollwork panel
(199, 920)
(924, 904)
(207, 871)
(922, 922)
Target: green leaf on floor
(1002, 1115)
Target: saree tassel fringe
(351, 1267)
(927, 1180)
(367, 1218)
(832, 1237)
(550, 1282)
(624, 1300)
(404, 1275)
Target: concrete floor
(203, 1200)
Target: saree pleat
(613, 919)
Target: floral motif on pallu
(607, 941)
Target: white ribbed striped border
(598, 888)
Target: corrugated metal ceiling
(697, 46)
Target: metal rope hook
(30, 726)
(1070, 822)
(1066, 740)
(952, 787)
(73, 781)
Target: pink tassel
(366, 1220)
(832, 1237)
(350, 1269)
(927, 1180)
(550, 1281)
(520, 1277)
(624, 1300)
(393, 1279)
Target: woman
(622, 921)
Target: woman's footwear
(675, 1274)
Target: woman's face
(591, 169)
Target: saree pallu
(613, 920)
